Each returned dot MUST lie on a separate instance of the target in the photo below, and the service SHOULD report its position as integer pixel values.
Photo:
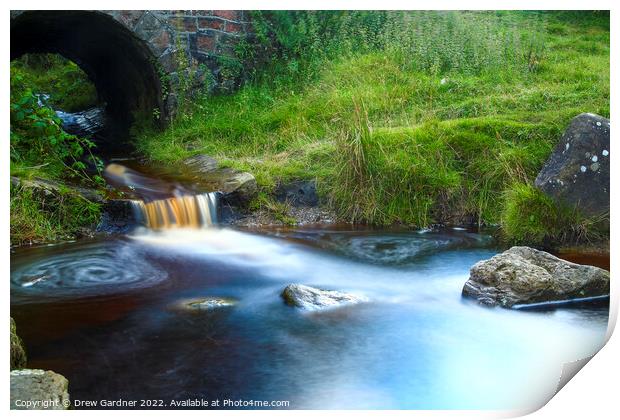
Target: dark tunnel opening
(120, 65)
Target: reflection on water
(415, 344)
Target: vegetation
(66, 84)
(41, 149)
(401, 117)
(529, 216)
(405, 117)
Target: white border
(592, 394)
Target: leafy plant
(39, 147)
(37, 136)
(65, 84)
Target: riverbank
(390, 143)
(384, 140)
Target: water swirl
(86, 270)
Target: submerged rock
(311, 298)
(18, 354)
(205, 303)
(524, 275)
(36, 389)
(577, 173)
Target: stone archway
(121, 65)
(133, 57)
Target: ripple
(402, 248)
(91, 269)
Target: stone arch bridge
(138, 59)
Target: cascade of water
(194, 211)
(164, 204)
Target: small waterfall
(193, 211)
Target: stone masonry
(190, 46)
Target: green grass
(394, 140)
(531, 217)
(65, 82)
(38, 218)
(41, 149)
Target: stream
(111, 315)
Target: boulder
(524, 275)
(298, 193)
(18, 354)
(36, 389)
(242, 183)
(237, 187)
(577, 173)
(202, 163)
(310, 298)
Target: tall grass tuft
(531, 217)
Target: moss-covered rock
(18, 354)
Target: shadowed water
(107, 316)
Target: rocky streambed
(312, 316)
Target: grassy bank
(40, 149)
(404, 118)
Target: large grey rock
(524, 275)
(18, 354)
(311, 298)
(242, 183)
(36, 389)
(577, 173)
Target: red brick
(233, 27)
(226, 14)
(211, 23)
(205, 42)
